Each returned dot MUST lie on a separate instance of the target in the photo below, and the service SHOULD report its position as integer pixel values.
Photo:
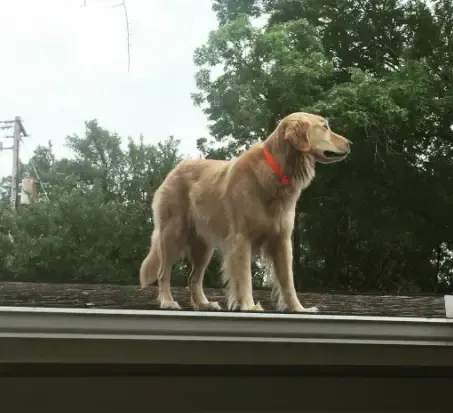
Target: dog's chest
(269, 220)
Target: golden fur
(241, 208)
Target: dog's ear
(296, 132)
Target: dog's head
(310, 133)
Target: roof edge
(138, 325)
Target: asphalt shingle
(132, 297)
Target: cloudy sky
(63, 63)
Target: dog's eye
(326, 126)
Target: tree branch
(123, 5)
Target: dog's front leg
(281, 253)
(238, 274)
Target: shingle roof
(132, 297)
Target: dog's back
(183, 204)
(186, 182)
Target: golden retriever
(241, 207)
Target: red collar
(270, 159)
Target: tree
(95, 225)
(372, 69)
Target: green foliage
(246, 101)
(96, 224)
(381, 72)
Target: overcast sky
(62, 64)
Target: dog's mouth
(330, 156)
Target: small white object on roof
(448, 306)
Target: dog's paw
(214, 305)
(210, 305)
(255, 307)
(309, 310)
(169, 305)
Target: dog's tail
(150, 268)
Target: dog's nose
(347, 146)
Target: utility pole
(15, 175)
(15, 172)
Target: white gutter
(93, 336)
(34, 322)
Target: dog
(241, 207)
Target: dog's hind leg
(170, 252)
(199, 255)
